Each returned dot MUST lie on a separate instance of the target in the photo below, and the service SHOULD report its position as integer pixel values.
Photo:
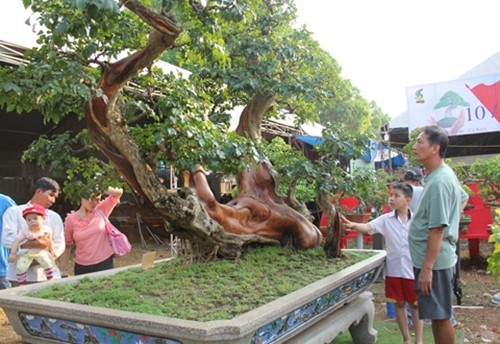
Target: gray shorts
(438, 305)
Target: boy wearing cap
(414, 177)
(34, 216)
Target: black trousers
(86, 269)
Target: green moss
(205, 291)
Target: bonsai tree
(370, 188)
(297, 183)
(95, 70)
(324, 179)
(494, 259)
(462, 174)
(487, 171)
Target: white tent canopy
(488, 67)
(14, 26)
(478, 145)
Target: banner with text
(461, 107)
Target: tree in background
(354, 112)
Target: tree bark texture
(332, 243)
(257, 216)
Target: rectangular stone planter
(304, 316)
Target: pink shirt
(26, 234)
(89, 234)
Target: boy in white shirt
(399, 278)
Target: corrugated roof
(11, 53)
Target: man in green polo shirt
(434, 233)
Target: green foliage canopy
(235, 50)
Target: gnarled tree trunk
(257, 216)
(334, 231)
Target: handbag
(118, 241)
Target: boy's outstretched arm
(364, 228)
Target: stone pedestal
(315, 314)
(356, 316)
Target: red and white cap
(34, 209)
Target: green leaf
(80, 4)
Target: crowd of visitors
(35, 237)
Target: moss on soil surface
(205, 291)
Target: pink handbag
(118, 241)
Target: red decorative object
(480, 220)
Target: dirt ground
(477, 313)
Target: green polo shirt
(440, 205)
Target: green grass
(388, 333)
(205, 291)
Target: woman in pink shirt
(86, 229)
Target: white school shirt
(395, 233)
(415, 199)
